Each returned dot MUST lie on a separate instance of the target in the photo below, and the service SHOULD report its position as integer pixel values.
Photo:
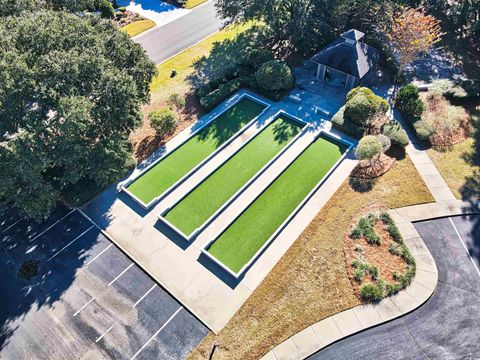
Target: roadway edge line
(464, 246)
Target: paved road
(88, 301)
(170, 39)
(447, 326)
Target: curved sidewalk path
(363, 317)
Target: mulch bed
(376, 255)
(365, 170)
(144, 139)
(28, 270)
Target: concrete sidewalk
(360, 318)
(425, 167)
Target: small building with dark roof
(347, 60)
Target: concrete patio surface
(206, 290)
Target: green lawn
(178, 163)
(247, 234)
(138, 27)
(198, 206)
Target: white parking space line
(465, 246)
(101, 252)
(70, 243)
(105, 333)
(123, 272)
(83, 307)
(12, 225)
(51, 226)
(145, 295)
(158, 332)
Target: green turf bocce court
(240, 242)
(198, 206)
(157, 179)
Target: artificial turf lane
(201, 203)
(178, 163)
(249, 232)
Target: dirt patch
(144, 139)
(367, 170)
(28, 270)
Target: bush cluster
(224, 91)
(409, 104)
(364, 114)
(258, 72)
(274, 75)
(163, 121)
(362, 104)
(379, 289)
(394, 131)
(365, 228)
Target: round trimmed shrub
(423, 130)
(385, 141)
(163, 121)
(409, 104)
(274, 76)
(395, 132)
(368, 147)
(257, 57)
(362, 104)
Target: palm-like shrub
(368, 148)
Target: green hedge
(340, 122)
(215, 97)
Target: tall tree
(300, 25)
(70, 92)
(412, 32)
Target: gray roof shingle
(349, 56)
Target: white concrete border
(267, 123)
(289, 218)
(224, 106)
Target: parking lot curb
(360, 318)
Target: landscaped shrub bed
(378, 262)
(364, 113)
(259, 72)
(436, 116)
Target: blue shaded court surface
(153, 5)
(87, 300)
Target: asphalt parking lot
(447, 326)
(87, 301)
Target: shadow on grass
(226, 55)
